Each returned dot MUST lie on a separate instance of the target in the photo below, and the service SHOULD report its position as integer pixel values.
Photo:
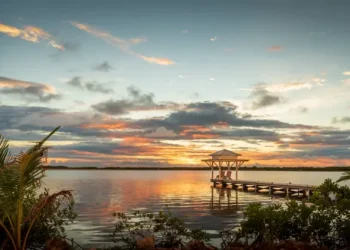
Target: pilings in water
(284, 189)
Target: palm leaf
(20, 176)
(4, 151)
(44, 202)
(345, 177)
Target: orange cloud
(138, 40)
(157, 60)
(122, 44)
(134, 140)
(115, 125)
(14, 83)
(275, 48)
(30, 34)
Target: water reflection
(185, 193)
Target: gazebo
(224, 158)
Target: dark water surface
(98, 194)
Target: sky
(165, 83)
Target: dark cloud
(207, 114)
(94, 86)
(104, 67)
(344, 119)
(329, 152)
(10, 116)
(30, 91)
(323, 137)
(135, 101)
(263, 98)
(70, 48)
(76, 82)
(303, 110)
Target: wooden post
(236, 170)
(287, 192)
(212, 171)
(270, 190)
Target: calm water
(185, 193)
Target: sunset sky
(164, 83)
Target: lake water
(98, 194)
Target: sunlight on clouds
(346, 73)
(13, 83)
(122, 44)
(346, 82)
(30, 34)
(138, 40)
(284, 87)
(157, 60)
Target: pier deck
(270, 187)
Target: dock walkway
(286, 189)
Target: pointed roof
(224, 152)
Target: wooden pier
(272, 188)
(228, 159)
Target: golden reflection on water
(99, 194)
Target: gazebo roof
(224, 152)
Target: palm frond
(44, 202)
(48, 200)
(40, 144)
(5, 155)
(345, 177)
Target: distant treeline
(254, 168)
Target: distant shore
(315, 169)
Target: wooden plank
(272, 184)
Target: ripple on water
(99, 194)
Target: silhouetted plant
(324, 222)
(166, 230)
(345, 177)
(23, 217)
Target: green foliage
(166, 230)
(345, 177)
(324, 222)
(20, 211)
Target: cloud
(135, 101)
(180, 76)
(97, 87)
(104, 67)
(157, 60)
(346, 73)
(344, 119)
(185, 31)
(213, 39)
(76, 82)
(208, 114)
(138, 40)
(285, 87)
(303, 110)
(31, 91)
(31, 34)
(319, 81)
(346, 81)
(70, 48)
(275, 48)
(173, 139)
(211, 79)
(122, 44)
(263, 98)
(93, 86)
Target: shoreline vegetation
(34, 221)
(309, 169)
